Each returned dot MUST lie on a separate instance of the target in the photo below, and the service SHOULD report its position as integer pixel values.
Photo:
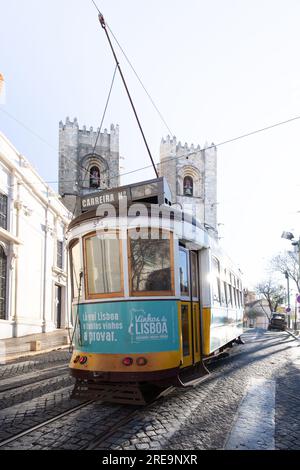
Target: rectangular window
(59, 255)
(230, 294)
(194, 269)
(216, 280)
(3, 211)
(75, 268)
(224, 293)
(150, 263)
(102, 266)
(184, 272)
(234, 291)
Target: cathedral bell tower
(81, 168)
(192, 176)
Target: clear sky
(216, 69)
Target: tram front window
(150, 263)
(103, 266)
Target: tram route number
(151, 459)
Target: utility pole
(288, 297)
(290, 236)
(297, 244)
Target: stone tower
(81, 169)
(192, 176)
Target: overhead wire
(52, 146)
(105, 109)
(136, 74)
(118, 175)
(186, 155)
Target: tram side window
(242, 298)
(216, 281)
(184, 273)
(151, 265)
(230, 294)
(224, 293)
(238, 292)
(194, 275)
(103, 266)
(232, 282)
(75, 268)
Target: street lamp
(290, 236)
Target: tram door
(195, 306)
(189, 307)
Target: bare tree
(287, 262)
(273, 293)
(256, 309)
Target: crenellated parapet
(191, 172)
(81, 151)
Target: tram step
(194, 376)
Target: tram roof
(149, 193)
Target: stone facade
(33, 258)
(192, 176)
(81, 169)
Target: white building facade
(33, 264)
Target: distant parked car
(277, 322)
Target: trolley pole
(103, 25)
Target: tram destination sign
(91, 201)
(156, 191)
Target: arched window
(94, 177)
(188, 186)
(3, 266)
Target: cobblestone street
(249, 401)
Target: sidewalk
(14, 348)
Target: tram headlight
(76, 359)
(127, 361)
(83, 360)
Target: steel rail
(35, 380)
(103, 436)
(45, 423)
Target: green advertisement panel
(127, 327)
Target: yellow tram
(153, 294)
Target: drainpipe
(17, 204)
(45, 265)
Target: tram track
(115, 417)
(45, 423)
(24, 380)
(103, 436)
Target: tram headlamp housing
(141, 361)
(127, 361)
(82, 360)
(76, 359)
